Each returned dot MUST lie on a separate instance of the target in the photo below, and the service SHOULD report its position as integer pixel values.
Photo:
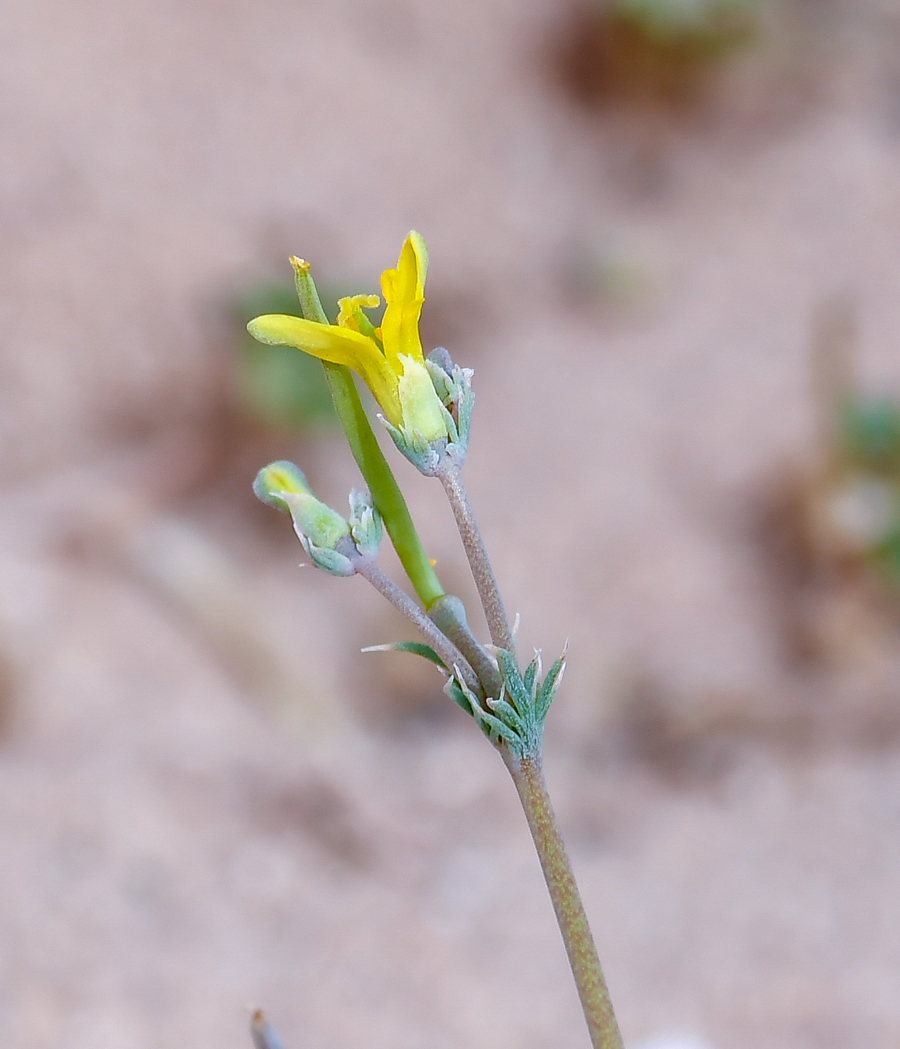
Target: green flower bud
(320, 529)
(274, 480)
(315, 521)
(333, 543)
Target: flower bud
(320, 529)
(365, 524)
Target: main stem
(528, 777)
(483, 573)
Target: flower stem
(482, 571)
(369, 457)
(528, 777)
(382, 484)
(452, 657)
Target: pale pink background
(192, 823)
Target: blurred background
(665, 234)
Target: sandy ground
(209, 800)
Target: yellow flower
(389, 359)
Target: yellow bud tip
(300, 265)
(432, 561)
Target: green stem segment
(369, 458)
(383, 486)
(528, 777)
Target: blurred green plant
(869, 458)
(710, 22)
(832, 526)
(651, 50)
(869, 430)
(279, 387)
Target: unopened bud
(274, 480)
(365, 524)
(333, 543)
(319, 528)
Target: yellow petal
(404, 293)
(337, 345)
(413, 266)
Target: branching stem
(449, 653)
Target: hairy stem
(482, 571)
(449, 615)
(528, 777)
(449, 653)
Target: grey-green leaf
(418, 648)
(548, 689)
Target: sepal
(314, 520)
(331, 561)
(453, 386)
(365, 524)
(454, 400)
